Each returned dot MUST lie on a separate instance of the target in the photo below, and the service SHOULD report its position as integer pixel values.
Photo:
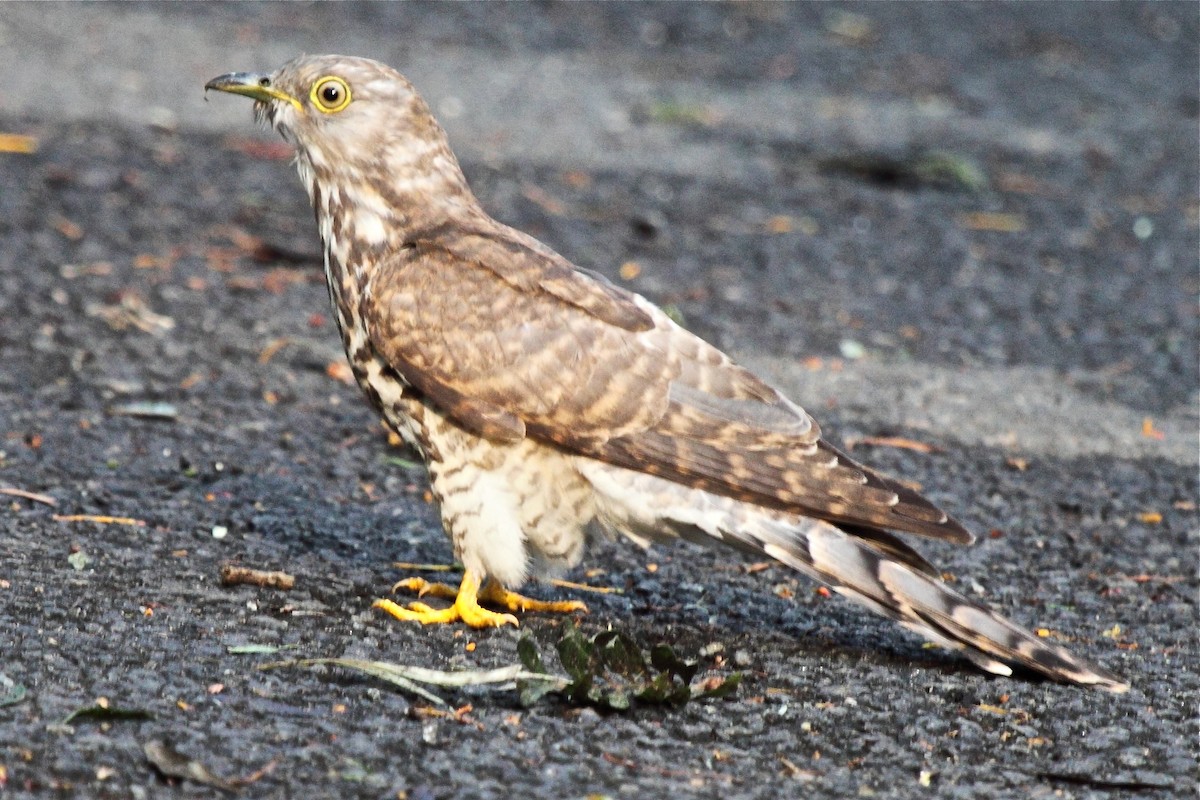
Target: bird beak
(256, 85)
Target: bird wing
(510, 340)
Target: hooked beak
(255, 85)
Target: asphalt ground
(972, 227)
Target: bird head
(353, 121)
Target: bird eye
(330, 95)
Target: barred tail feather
(921, 602)
(867, 565)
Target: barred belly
(510, 509)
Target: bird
(551, 406)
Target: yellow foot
(497, 595)
(466, 603)
(472, 614)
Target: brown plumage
(549, 404)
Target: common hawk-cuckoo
(549, 404)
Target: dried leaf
(340, 371)
(382, 674)
(664, 659)
(273, 347)
(408, 677)
(403, 463)
(548, 203)
(620, 655)
(610, 671)
(527, 652)
(941, 170)
(67, 228)
(533, 690)
(575, 653)
(173, 764)
(130, 311)
(104, 713)
(146, 410)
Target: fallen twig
(18, 143)
(273, 347)
(173, 764)
(99, 518)
(274, 579)
(893, 441)
(426, 567)
(1110, 784)
(37, 498)
(583, 587)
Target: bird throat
(353, 240)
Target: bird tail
(882, 573)
(867, 565)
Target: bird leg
(466, 603)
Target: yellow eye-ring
(330, 94)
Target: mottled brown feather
(619, 382)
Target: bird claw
(466, 606)
(423, 587)
(497, 595)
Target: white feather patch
(369, 228)
(493, 538)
